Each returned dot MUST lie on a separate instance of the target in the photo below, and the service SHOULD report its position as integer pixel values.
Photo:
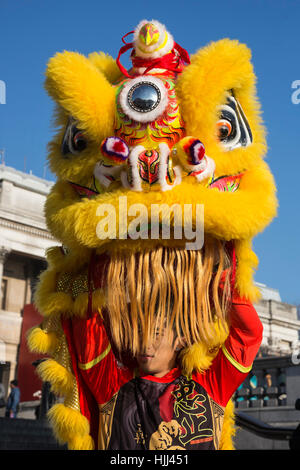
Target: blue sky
(33, 30)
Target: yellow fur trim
(81, 302)
(80, 305)
(107, 65)
(81, 443)
(70, 261)
(41, 342)
(195, 358)
(54, 256)
(218, 222)
(61, 380)
(247, 263)
(54, 303)
(47, 301)
(228, 430)
(199, 357)
(47, 283)
(253, 206)
(68, 424)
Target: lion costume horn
(137, 154)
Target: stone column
(3, 253)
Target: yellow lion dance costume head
(135, 152)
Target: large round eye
(74, 140)
(224, 129)
(233, 128)
(144, 99)
(79, 141)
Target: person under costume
(147, 411)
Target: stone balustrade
(273, 382)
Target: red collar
(169, 377)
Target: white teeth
(133, 159)
(106, 174)
(177, 172)
(209, 170)
(164, 152)
(136, 184)
(103, 173)
(163, 166)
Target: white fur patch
(152, 53)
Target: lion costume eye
(144, 99)
(74, 140)
(233, 128)
(224, 129)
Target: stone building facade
(23, 241)
(280, 321)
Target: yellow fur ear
(83, 91)
(231, 69)
(107, 65)
(202, 88)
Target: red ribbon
(173, 62)
(122, 51)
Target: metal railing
(267, 431)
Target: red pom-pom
(115, 148)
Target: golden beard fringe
(179, 289)
(69, 425)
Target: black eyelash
(239, 123)
(69, 144)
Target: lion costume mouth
(226, 183)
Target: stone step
(26, 445)
(27, 434)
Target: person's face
(158, 356)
